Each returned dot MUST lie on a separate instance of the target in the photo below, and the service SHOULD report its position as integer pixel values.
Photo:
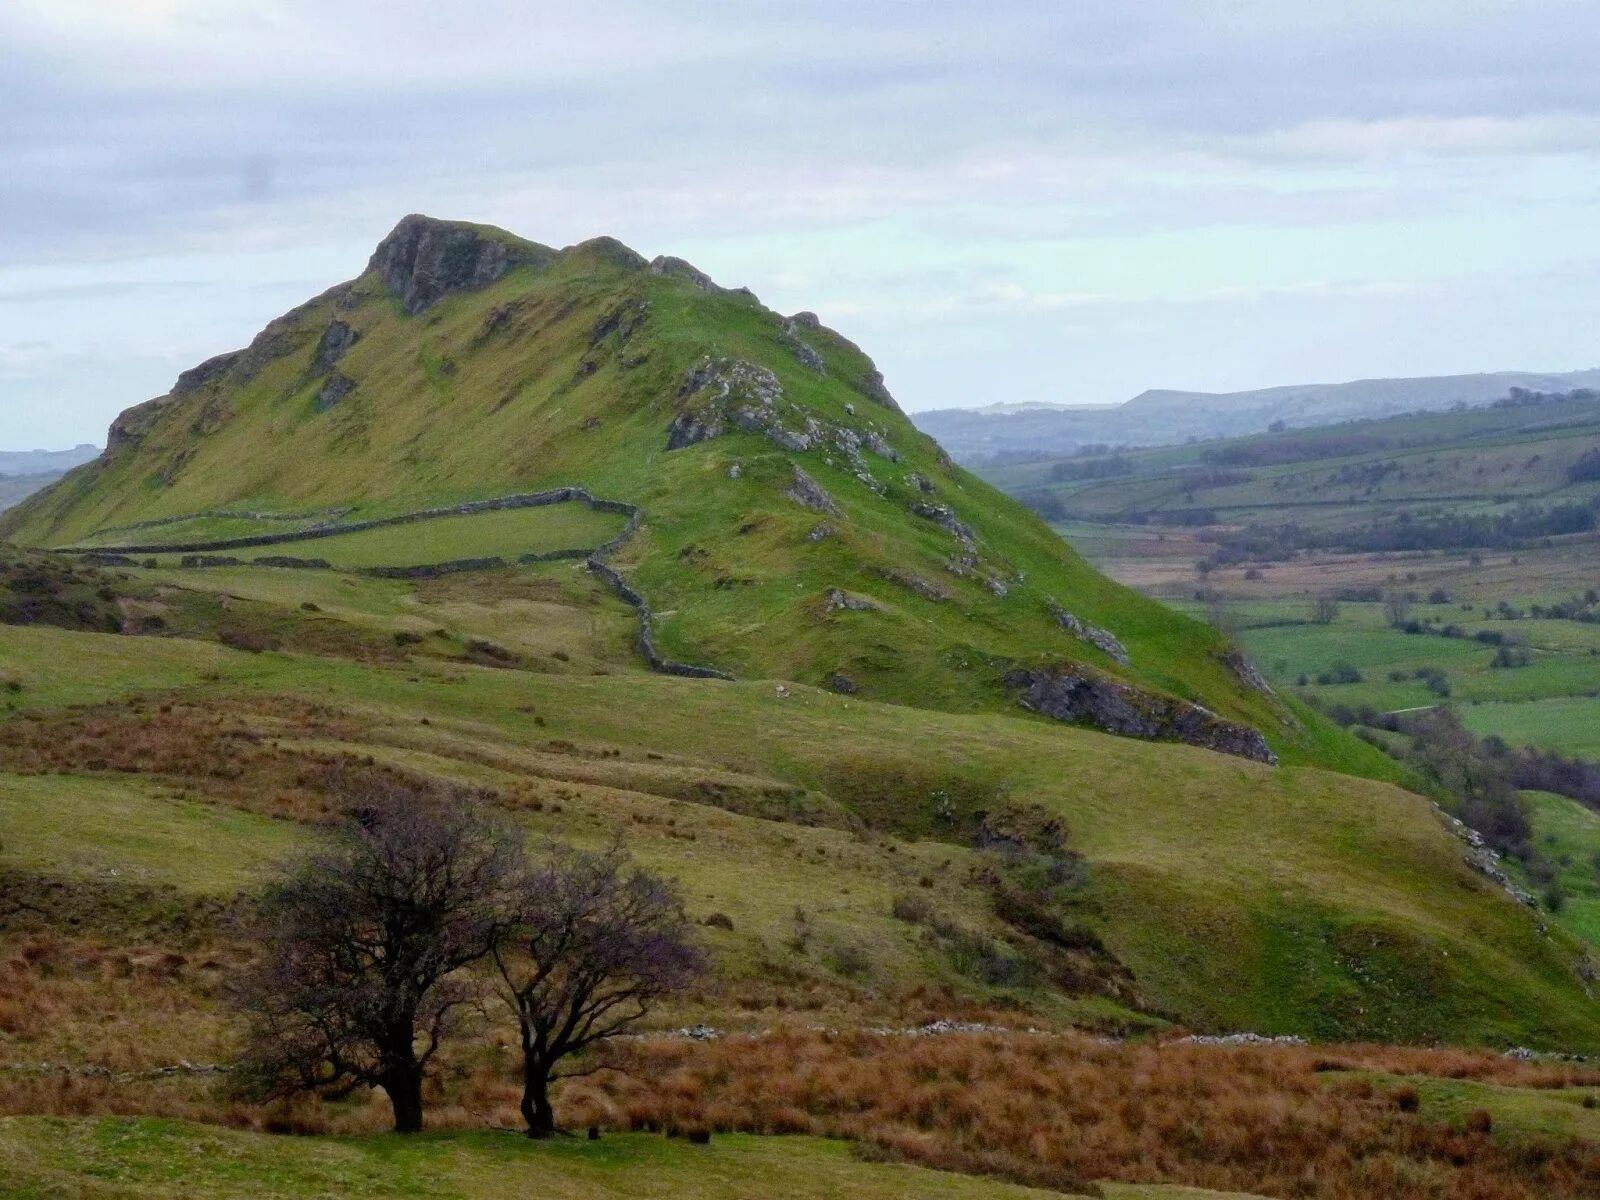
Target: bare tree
(597, 943)
(365, 942)
(1396, 607)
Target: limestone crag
(807, 491)
(423, 260)
(667, 264)
(1102, 639)
(130, 427)
(718, 395)
(839, 600)
(1074, 693)
(338, 386)
(336, 342)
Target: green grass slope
(135, 1158)
(1238, 896)
(431, 379)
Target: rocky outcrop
(1073, 693)
(807, 491)
(337, 339)
(677, 268)
(196, 378)
(838, 600)
(423, 260)
(338, 386)
(803, 351)
(130, 427)
(874, 389)
(622, 320)
(942, 516)
(719, 395)
(1101, 639)
(913, 582)
(1245, 672)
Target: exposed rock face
(821, 533)
(423, 260)
(1075, 694)
(1244, 671)
(807, 491)
(623, 320)
(336, 340)
(339, 386)
(666, 264)
(877, 391)
(945, 519)
(925, 588)
(196, 378)
(800, 348)
(132, 425)
(1103, 639)
(839, 600)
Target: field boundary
(201, 555)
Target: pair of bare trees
(376, 946)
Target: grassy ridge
(521, 386)
(1362, 921)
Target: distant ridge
(1160, 416)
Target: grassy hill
(413, 532)
(795, 525)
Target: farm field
(508, 534)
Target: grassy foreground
(145, 1158)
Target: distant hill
(41, 462)
(24, 472)
(1511, 471)
(1165, 417)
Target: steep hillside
(415, 528)
(791, 523)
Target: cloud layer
(1002, 201)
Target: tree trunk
(405, 1097)
(536, 1110)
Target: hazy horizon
(1001, 203)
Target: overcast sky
(1070, 200)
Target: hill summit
(786, 519)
